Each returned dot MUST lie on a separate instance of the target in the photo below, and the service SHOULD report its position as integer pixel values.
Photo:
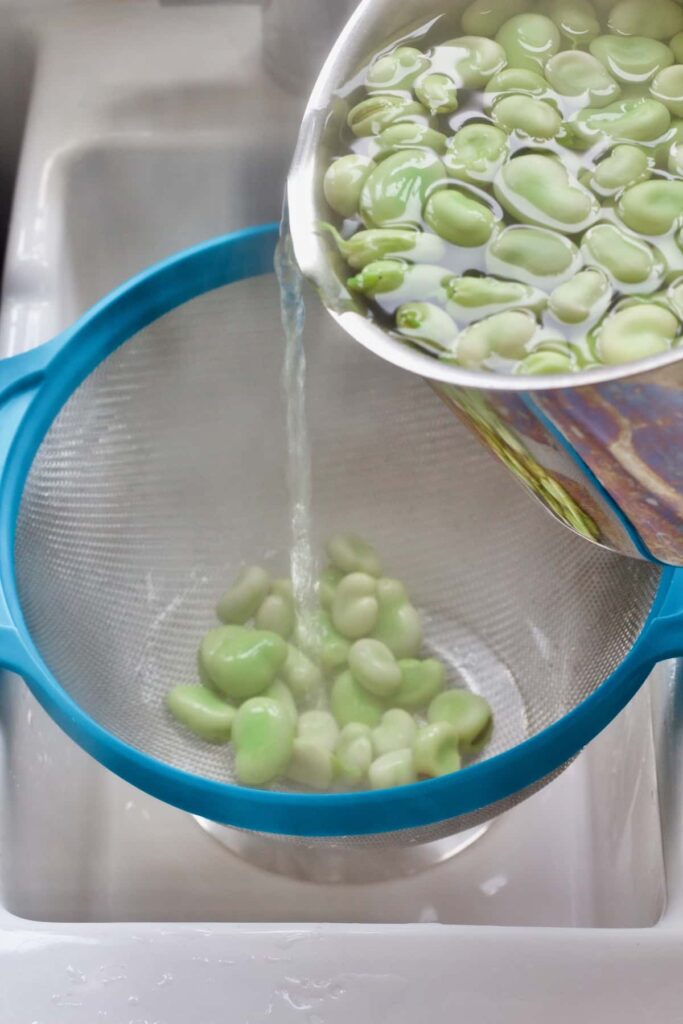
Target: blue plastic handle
(33, 389)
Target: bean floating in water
(501, 193)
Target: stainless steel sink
(124, 165)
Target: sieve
(142, 461)
(600, 449)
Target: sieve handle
(21, 377)
(663, 637)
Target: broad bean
(202, 712)
(540, 190)
(428, 324)
(393, 769)
(626, 260)
(242, 662)
(374, 666)
(398, 624)
(263, 737)
(396, 731)
(350, 702)
(396, 70)
(435, 750)
(475, 153)
(636, 332)
(529, 40)
(394, 193)
(343, 182)
(585, 297)
(459, 218)
(467, 713)
(535, 256)
(577, 73)
(631, 59)
(242, 601)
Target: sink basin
(17, 66)
(112, 903)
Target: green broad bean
(470, 60)
(396, 70)
(353, 753)
(398, 624)
(475, 153)
(516, 82)
(635, 333)
(577, 73)
(374, 666)
(393, 769)
(300, 674)
(372, 115)
(311, 765)
(585, 297)
(459, 218)
(323, 643)
(676, 45)
(381, 243)
(508, 335)
(329, 578)
(263, 737)
(407, 135)
(242, 662)
(631, 59)
(396, 731)
(534, 118)
(622, 167)
(437, 92)
(674, 295)
(202, 712)
(535, 256)
(667, 87)
(576, 20)
(485, 17)
(354, 605)
(653, 207)
(626, 260)
(277, 614)
(428, 324)
(529, 41)
(343, 182)
(540, 190)
(350, 702)
(281, 693)
(540, 363)
(349, 553)
(465, 712)
(472, 298)
(283, 588)
(420, 682)
(394, 193)
(319, 727)
(657, 19)
(242, 601)
(397, 282)
(435, 750)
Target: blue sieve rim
(43, 380)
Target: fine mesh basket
(164, 471)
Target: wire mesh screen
(166, 471)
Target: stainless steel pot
(603, 450)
